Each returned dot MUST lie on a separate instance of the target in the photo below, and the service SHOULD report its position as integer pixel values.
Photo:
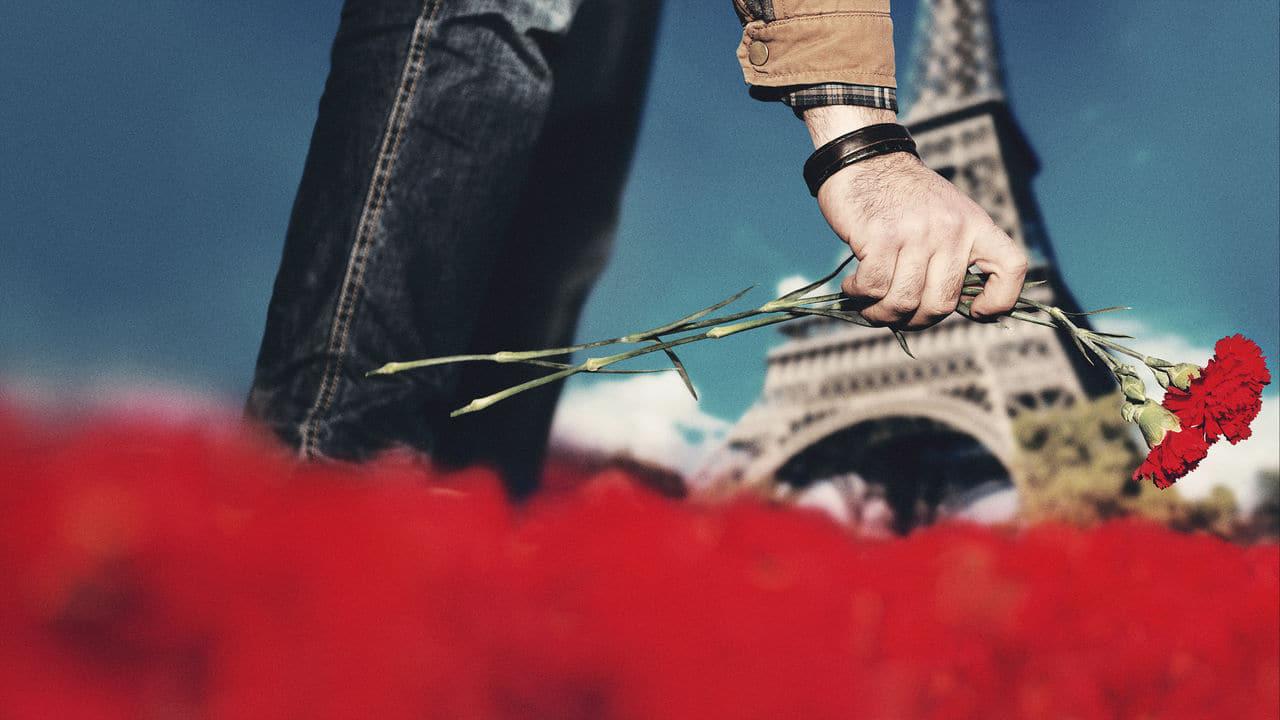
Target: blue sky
(149, 152)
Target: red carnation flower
(1175, 448)
(1173, 457)
(1227, 396)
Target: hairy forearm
(831, 121)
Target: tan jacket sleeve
(800, 42)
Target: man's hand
(914, 233)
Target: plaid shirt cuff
(803, 97)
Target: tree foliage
(1075, 464)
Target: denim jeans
(459, 196)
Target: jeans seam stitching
(371, 212)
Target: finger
(1006, 262)
(941, 294)
(900, 303)
(872, 278)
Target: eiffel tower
(843, 402)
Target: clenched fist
(914, 233)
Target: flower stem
(788, 307)
(598, 364)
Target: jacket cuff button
(758, 53)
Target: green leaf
(1019, 315)
(561, 366)
(1113, 308)
(721, 331)
(845, 315)
(818, 283)
(902, 341)
(684, 374)
(1080, 347)
(972, 280)
(674, 326)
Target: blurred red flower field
(159, 570)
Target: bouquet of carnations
(1200, 405)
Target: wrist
(831, 121)
(853, 147)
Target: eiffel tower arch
(841, 398)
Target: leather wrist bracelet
(859, 145)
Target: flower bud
(1182, 374)
(1153, 419)
(1135, 391)
(1128, 411)
(1162, 377)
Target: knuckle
(876, 292)
(948, 223)
(937, 310)
(900, 306)
(873, 317)
(873, 292)
(885, 236)
(911, 227)
(872, 283)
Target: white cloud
(650, 417)
(797, 281)
(789, 283)
(1237, 466)
(121, 394)
(1234, 466)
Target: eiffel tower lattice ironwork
(841, 399)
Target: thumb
(1005, 260)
